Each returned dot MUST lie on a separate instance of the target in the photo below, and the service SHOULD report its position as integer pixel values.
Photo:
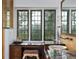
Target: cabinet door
(15, 52)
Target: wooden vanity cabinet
(15, 52)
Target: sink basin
(57, 47)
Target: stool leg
(37, 57)
(23, 57)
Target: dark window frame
(20, 25)
(71, 21)
(31, 25)
(54, 24)
(67, 21)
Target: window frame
(67, 21)
(70, 9)
(18, 24)
(71, 22)
(46, 42)
(54, 24)
(31, 25)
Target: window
(8, 19)
(65, 22)
(73, 22)
(49, 25)
(36, 25)
(69, 21)
(29, 25)
(22, 25)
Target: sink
(57, 47)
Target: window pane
(49, 29)
(8, 19)
(36, 25)
(22, 26)
(73, 19)
(65, 24)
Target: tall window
(69, 21)
(22, 24)
(73, 22)
(65, 21)
(49, 23)
(36, 25)
(29, 25)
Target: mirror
(7, 14)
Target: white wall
(69, 3)
(9, 38)
(43, 3)
(10, 34)
(36, 3)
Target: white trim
(68, 8)
(29, 27)
(34, 8)
(42, 24)
(70, 20)
(38, 42)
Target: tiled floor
(65, 57)
(71, 57)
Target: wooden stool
(30, 53)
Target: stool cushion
(30, 52)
